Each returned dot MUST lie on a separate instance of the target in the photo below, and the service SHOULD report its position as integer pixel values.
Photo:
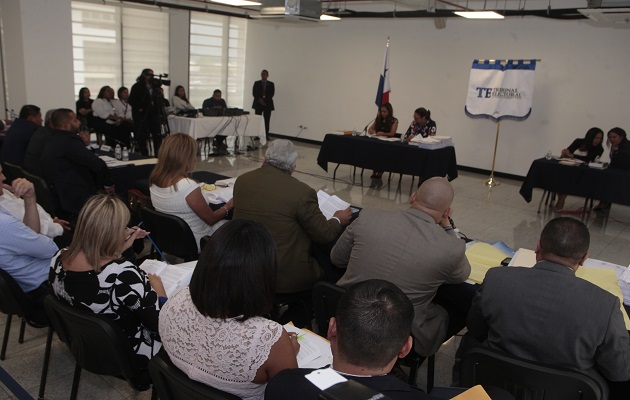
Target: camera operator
(147, 107)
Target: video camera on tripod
(159, 80)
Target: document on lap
(329, 205)
(314, 350)
(174, 277)
(601, 273)
(219, 192)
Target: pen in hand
(133, 230)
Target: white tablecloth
(199, 128)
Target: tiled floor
(481, 213)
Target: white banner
(501, 91)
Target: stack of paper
(114, 163)
(482, 257)
(220, 192)
(314, 350)
(432, 142)
(173, 277)
(329, 205)
(386, 138)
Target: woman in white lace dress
(214, 330)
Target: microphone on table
(364, 130)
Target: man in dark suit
(73, 172)
(547, 314)
(370, 332)
(263, 92)
(17, 138)
(289, 209)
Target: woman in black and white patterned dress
(91, 275)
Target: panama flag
(382, 96)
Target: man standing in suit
(263, 92)
(289, 209)
(547, 314)
(418, 251)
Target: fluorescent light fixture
(272, 10)
(238, 3)
(328, 17)
(479, 14)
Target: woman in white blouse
(172, 192)
(180, 101)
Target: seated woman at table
(215, 330)
(180, 101)
(107, 121)
(84, 110)
(172, 192)
(385, 124)
(618, 142)
(587, 150)
(619, 149)
(91, 275)
(422, 125)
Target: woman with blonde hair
(172, 192)
(90, 274)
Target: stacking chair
(528, 380)
(13, 301)
(12, 171)
(171, 234)
(325, 299)
(97, 343)
(171, 383)
(45, 197)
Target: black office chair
(97, 343)
(528, 380)
(45, 197)
(326, 296)
(13, 301)
(171, 383)
(12, 171)
(171, 234)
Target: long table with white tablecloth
(203, 127)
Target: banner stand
(491, 182)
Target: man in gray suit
(417, 250)
(547, 314)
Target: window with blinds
(113, 44)
(217, 58)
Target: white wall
(326, 78)
(179, 33)
(38, 49)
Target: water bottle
(125, 154)
(117, 152)
(549, 155)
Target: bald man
(417, 250)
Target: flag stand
(490, 182)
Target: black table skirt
(396, 157)
(609, 185)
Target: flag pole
(490, 182)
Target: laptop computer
(212, 112)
